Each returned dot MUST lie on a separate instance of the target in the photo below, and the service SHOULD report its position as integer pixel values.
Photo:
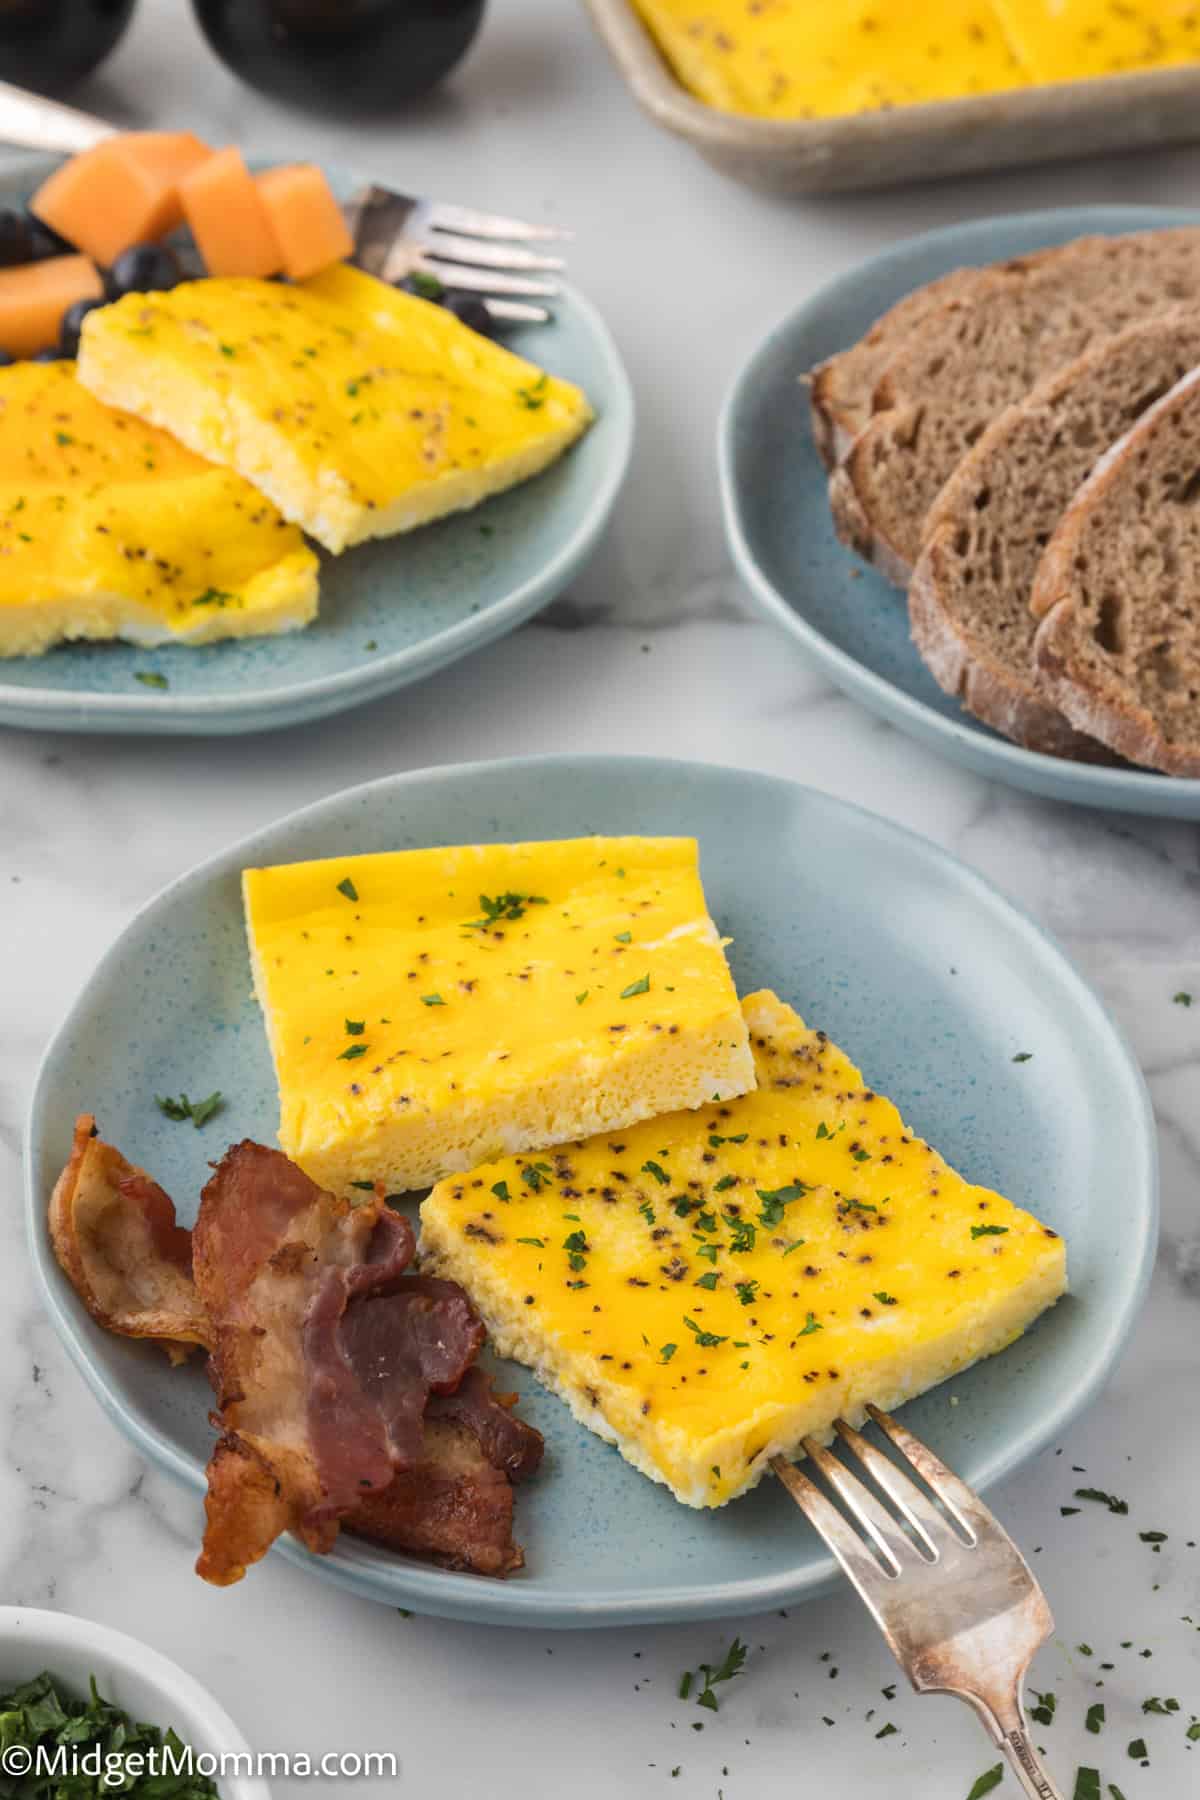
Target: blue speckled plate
(929, 978)
(391, 611)
(847, 619)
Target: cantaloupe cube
(34, 298)
(123, 191)
(228, 217)
(306, 219)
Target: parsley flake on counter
(348, 888)
(1095, 1718)
(41, 1716)
(198, 1111)
(888, 1730)
(685, 1684)
(1023, 1056)
(1138, 1750)
(1153, 1537)
(1044, 1711)
(1087, 1784)
(1182, 998)
(733, 1663)
(990, 1779)
(147, 677)
(1110, 1500)
(636, 987)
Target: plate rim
(984, 752)
(260, 709)
(475, 1599)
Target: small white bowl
(130, 1675)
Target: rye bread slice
(840, 390)
(977, 355)
(1118, 593)
(969, 598)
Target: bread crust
(1108, 710)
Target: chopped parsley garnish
(537, 1243)
(743, 1234)
(636, 987)
(715, 1142)
(580, 998)
(578, 1248)
(351, 1052)
(859, 1206)
(198, 1111)
(884, 1299)
(861, 1155)
(348, 888)
(978, 1231)
(533, 397)
(747, 1292)
(227, 349)
(987, 1781)
(707, 1281)
(432, 1000)
(1023, 1056)
(733, 1662)
(502, 907)
(659, 1173)
(666, 1352)
(705, 1340)
(44, 1722)
(810, 1325)
(147, 677)
(1102, 1499)
(707, 1252)
(647, 1212)
(726, 1181)
(774, 1200)
(364, 1187)
(796, 1244)
(535, 1175)
(355, 1027)
(623, 937)
(63, 437)
(214, 597)
(500, 1189)
(1045, 1709)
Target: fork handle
(34, 123)
(1006, 1726)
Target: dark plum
(346, 56)
(472, 311)
(143, 269)
(68, 336)
(16, 238)
(49, 44)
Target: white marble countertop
(653, 651)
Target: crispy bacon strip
(271, 1247)
(115, 1235)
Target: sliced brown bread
(840, 390)
(977, 355)
(1118, 593)
(969, 598)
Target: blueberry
(426, 287)
(143, 269)
(470, 309)
(16, 239)
(51, 353)
(43, 242)
(72, 321)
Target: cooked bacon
(270, 1247)
(345, 1386)
(115, 1235)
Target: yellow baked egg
(428, 1009)
(705, 1290)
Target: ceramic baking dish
(910, 143)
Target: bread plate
(846, 619)
(935, 981)
(905, 143)
(392, 611)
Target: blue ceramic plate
(391, 611)
(929, 978)
(847, 619)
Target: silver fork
(395, 235)
(960, 1608)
